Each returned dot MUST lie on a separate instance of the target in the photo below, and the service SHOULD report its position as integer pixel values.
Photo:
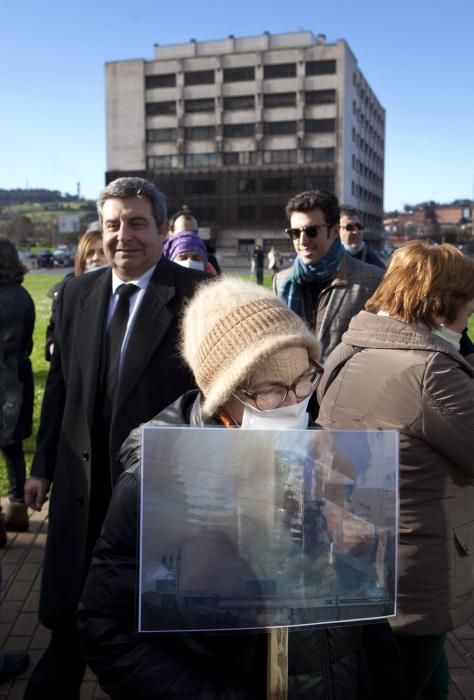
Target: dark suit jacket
(153, 376)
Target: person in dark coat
(115, 364)
(351, 231)
(237, 339)
(258, 259)
(17, 321)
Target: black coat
(152, 376)
(17, 321)
(324, 663)
(368, 256)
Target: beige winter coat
(408, 379)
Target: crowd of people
(148, 331)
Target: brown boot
(16, 516)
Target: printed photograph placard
(251, 529)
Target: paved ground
(19, 627)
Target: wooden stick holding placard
(277, 663)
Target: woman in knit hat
(255, 363)
(189, 250)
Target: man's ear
(334, 231)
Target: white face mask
(93, 268)
(450, 336)
(191, 264)
(284, 418)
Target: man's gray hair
(124, 187)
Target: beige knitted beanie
(228, 327)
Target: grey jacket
(408, 379)
(342, 298)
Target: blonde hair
(425, 281)
(83, 247)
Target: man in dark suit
(103, 382)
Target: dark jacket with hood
(17, 321)
(324, 663)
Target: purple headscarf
(185, 242)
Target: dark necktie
(115, 336)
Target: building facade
(232, 128)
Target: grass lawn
(38, 285)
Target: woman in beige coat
(399, 367)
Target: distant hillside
(30, 217)
(20, 196)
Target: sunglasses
(353, 227)
(310, 231)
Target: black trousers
(58, 674)
(15, 461)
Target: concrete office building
(233, 127)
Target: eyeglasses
(274, 396)
(353, 227)
(310, 231)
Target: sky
(417, 56)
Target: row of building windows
(367, 100)
(367, 123)
(240, 74)
(311, 126)
(254, 186)
(366, 195)
(277, 157)
(279, 99)
(359, 167)
(366, 147)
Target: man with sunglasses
(352, 236)
(325, 285)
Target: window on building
(158, 81)
(161, 135)
(246, 213)
(201, 159)
(239, 130)
(203, 105)
(237, 75)
(320, 97)
(246, 185)
(319, 182)
(327, 155)
(205, 215)
(199, 187)
(273, 213)
(321, 67)
(319, 126)
(246, 245)
(171, 187)
(278, 184)
(239, 102)
(200, 132)
(280, 99)
(240, 158)
(281, 156)
(198, 77)
(158, 162)
(279, 70)
(275, 128)
(153, 108)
